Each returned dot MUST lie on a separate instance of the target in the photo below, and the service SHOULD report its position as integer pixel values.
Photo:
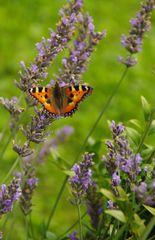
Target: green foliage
(23, 24)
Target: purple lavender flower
(94, 205)
(12, 106)
(49, 48)
(79, 3)
(73, 236)
(32, 182)
(81, 180)
(115, 179)
(116, 129)
(24, 150)
(29, 183)
(84, 44)
(145, 191)
(120, 156)
(128, 61)
(145, 169)
(110, 204)
(9, 195)
(139, 26)
(35, 130)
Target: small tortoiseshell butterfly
(60, 101)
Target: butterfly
(60, 101)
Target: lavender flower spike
(8, 195)
(139, 26)
(29, 183)
(120, 157)
(12, 106)
(94, 205)
(49, 48)
(82, 177)
(76, 63)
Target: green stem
(80, 222)
(56, 203)
(5, 146)
(71, 227)
(11, 134)
(147, 128)
(31, 227)
(11, 170)
(105, 106)
(27, 228)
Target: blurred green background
(22, 24)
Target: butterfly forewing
(75, 94)
(43, 95)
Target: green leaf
(122, 194)
(117, 214)
(134, 135)
(137, 225)
(146, 108)
(152, 128)
(136, 123)
(147, 152)
(150, 209)
(148, 229)
(50, 236)
(69, 173)
(108, 194)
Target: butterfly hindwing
(43, 95)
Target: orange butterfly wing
(44, 96)
(71, 96)
(75, 94)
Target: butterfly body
(60, 101)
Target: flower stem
(5, 146)
(146, 131)
(56, 203)
(11, 169)
(27, 228)
(71, 227)
(105, 106)
(80, 222)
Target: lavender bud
(24, 150)
(73, 236)
(128, 61)
(115, 179)
(8, 195)
(110, 204)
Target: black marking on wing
(76, 88)
(33, 90)
(84, 88)
(40, 89)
